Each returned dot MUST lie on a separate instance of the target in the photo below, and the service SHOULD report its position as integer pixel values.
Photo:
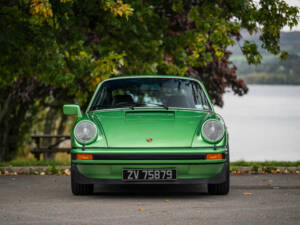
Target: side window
(200, 99)
(204, 100)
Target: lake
(264, 124)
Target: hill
(272, 70)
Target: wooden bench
(51, 148)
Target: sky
(293, 3)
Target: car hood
(149, 129)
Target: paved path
(41, 200)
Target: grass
(266, 164)
(61, 159)
(66, 162)
(35, 163)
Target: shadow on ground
(150, 191)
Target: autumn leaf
(119, 8)
(67, 172)
(41, 7)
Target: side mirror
(72, 110)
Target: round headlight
(85, 131)
(212, 130)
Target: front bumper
(191, 168)
(220, 177)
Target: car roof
(151, 76)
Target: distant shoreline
(271, 84)
(271, 79)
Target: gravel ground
(254, 199)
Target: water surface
(264, 124)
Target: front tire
(81, 189)
(220, 189)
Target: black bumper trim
(220, 178)
(139, 163)
(187, 147)
(147, 156)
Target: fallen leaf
(275, 187)
(166, 201)
(141, 209)
(42, 173)
(247, 193)
(67, 172)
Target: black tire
(81, 189)
(220, 189)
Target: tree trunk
(62, 125)
(11, 134)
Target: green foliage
(269, 169)
(67, 42)
(255, 168)
(58, 50)
(251, 52)
(52, 170)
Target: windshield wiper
(129, 105)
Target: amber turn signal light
(84, 156)
(214, 156)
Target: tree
(54, 51)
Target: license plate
(149, 174)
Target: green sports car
(149, 130)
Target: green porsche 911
(149, 130)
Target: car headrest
(178, 101)
(122, 99)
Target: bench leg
(37, 155)
(49, 156)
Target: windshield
(150, 92)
